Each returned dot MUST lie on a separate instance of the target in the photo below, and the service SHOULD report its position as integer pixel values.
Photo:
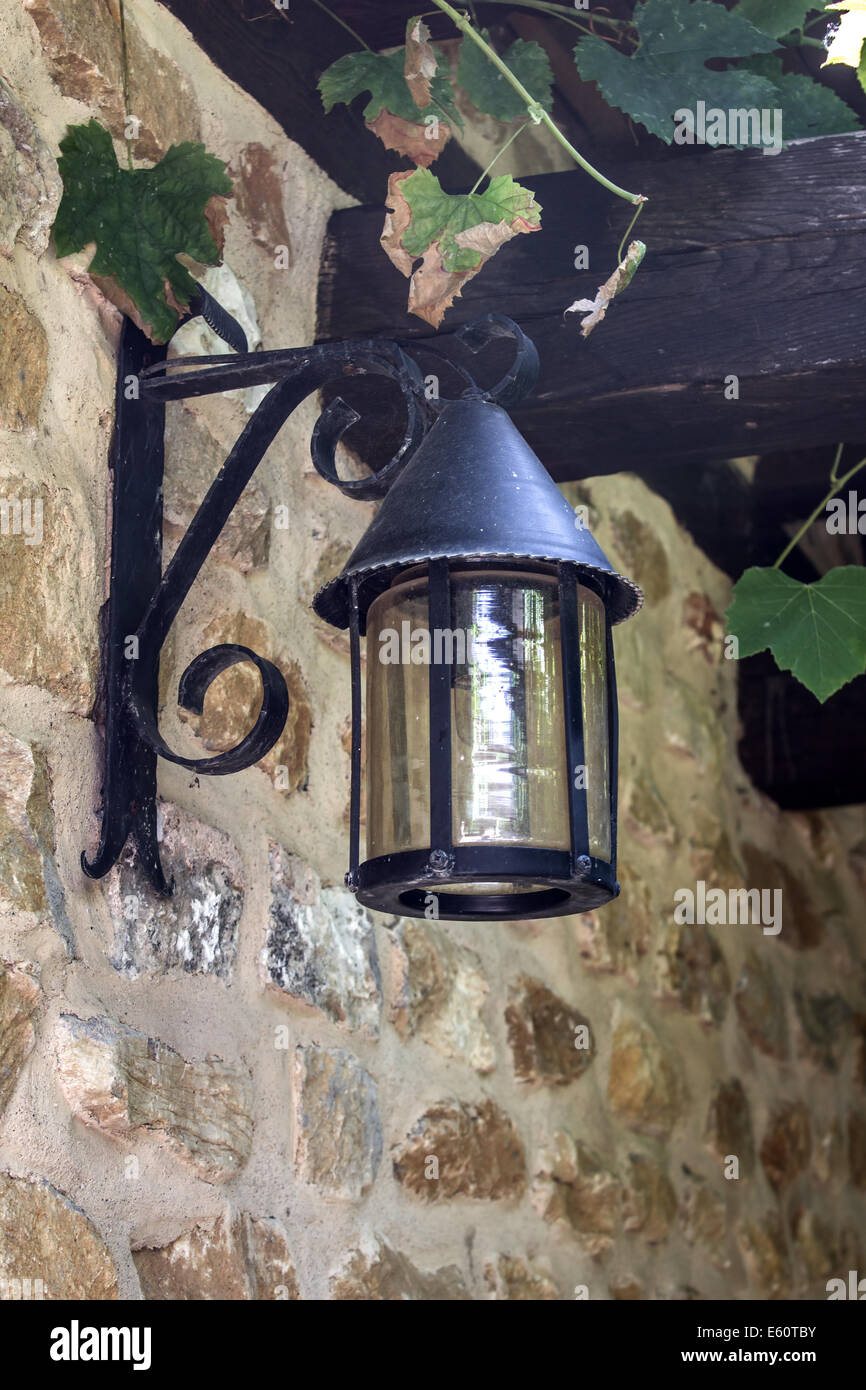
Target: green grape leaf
(846, 43)
(816, 631)
(489, 91)
(808, 107)
(776, 17)
(668, 73)
(392, 113)
(383, 75)
(453, 234)
(140, 219)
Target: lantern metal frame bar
(569, 624)
(143, 601)
(441, 679)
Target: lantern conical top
(473, 490)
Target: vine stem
(483, 175)
(802, 40)
(562, 12)
(836, 484)
(627, 232)
(337, 20)
(536, 112)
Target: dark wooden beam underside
(756, 268)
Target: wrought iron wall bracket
(144, 602)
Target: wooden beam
(803, 754)
(756, 269)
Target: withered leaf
(392, 112)
(422, 143)
(452, 234)
(421, 62)
(595, 309)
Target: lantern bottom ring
(541, 883)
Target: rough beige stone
(457, 1149)
(235, 697)
(644, 554)
(23, 373)
(704, 1219)
(615, 939)
(679, 1293)
(693, 972)
(338, 1132)
(787, 1145)
(320, 945)
(438, 992)
(826, 1023)
(19, 997)
(714, 859)
(236, 1257)
(651, 1202)
(120, 1081)
(761, 1007)
(626, 1288)
(260, 182)
(44, 1236)
(194, 931)
(49, 596)
(815, 1245)
(646, 816)
(705, 626)
(574, 1186)
(762, 1245)
(331, 560)
(688, 726)
(644, 1088)
(802, 928)
(513, 1279)
(81, 40)
(550, 1041)
(193, 459)
(30, 186)
(829, 1157)
(26, 823)
(377, 1273)
(729, 1125)
(857, 1149)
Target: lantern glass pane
(508, 730)
(398, 721)
(596, 745)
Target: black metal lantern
(491, 713)
(487, 609)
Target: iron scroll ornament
(144, 602)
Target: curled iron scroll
(522, 376)
(307, 371)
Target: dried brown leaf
(422, 143)
(595, 309)
(435, 284)
(433, 289)
(420, 62)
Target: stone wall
(255, 1089)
